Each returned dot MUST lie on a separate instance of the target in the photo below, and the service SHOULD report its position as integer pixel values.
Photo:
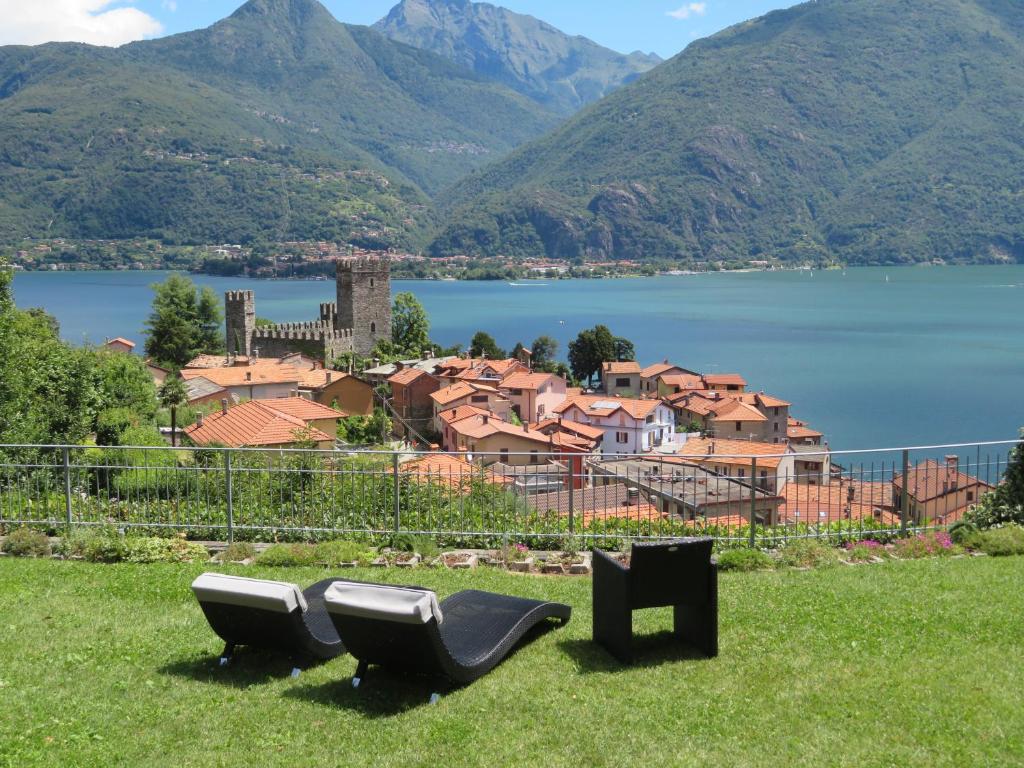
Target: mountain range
(276, 123)
(866, 131)
(560, 72)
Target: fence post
(230, 496)
(67, 487)
(572, 496)
(905, 494)
(753, 502)
(398, 492)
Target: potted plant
(459, 559)
(517, 558)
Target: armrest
(611, 578)
(600, 556)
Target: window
(504, 455)
(517, 391)
(620, 382)
(478, 399)
(776, 426)
(775, 411)
(741, 472)
(649, 419)
(739, 426)
(371, 282)
(540, 410)
(373, 327)
(534, 458)
(622, 437)
(970, 495)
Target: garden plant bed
(140, 684)
(460, 559)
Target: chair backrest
(261, 594)
(670, 573)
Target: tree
(173, 395)
(184, 322)
(543, 350)
(591, 348)
(410, 326)
(484, 345)
(127, 383)
(517, 350)
(624, 349)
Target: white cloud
(30, 22)
(169, 5)
(688, 10)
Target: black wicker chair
(405, 628)
(679, 573)
(268, 614)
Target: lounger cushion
(375, 601)
(278, 596)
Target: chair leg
(361, 669)
(697, 625)
(225, 657)
(613, 628)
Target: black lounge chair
(405, 628)
(268, 614)
(678, 573)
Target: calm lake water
(873, 357)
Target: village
(654, 442)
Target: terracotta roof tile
(318, 378)
(605, 405)
(252, 424)
(629, 366)
(240, 376)
(407, 376)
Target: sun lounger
(268, 614)
(406, 628)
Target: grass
(905, 663)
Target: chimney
(328, 377)
(199, 420)
(224, 406)
(376, 362)
(399, 365)
(526, 426)
(486, 418)
(248, 375)
(711, 448)
(952, 463)
(427, 354)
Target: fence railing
(487, 499)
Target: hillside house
(629, 425)
(276, 423)
(621, 379)
(337, 389)
(534, 396)
(466, 393)
(264, 381)
(938, 491)
(411, 389)
(650, 376)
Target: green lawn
(901, 664)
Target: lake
(873, 356)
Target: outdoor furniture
(678, 573)
(405, 628)
(268, 614)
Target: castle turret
(364, 300)
(240, 321)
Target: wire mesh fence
(479, 500)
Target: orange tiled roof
(253, 424)
(628, 366)
(215, 361)
(459, 390)
(683, 380)
(637, 408)
(237, 376)
(407, 376)
(448, 470)
(725, 379)
(301, 408)
(736, 410)
(718, 449)
(317, 378)
(481, 425)
(121, 340)
(462, 412)
(931, 480)
(839, 500)
(575, 427)
(598, 502)
(525, 380)
(660, 369)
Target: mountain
(277, 123)
(561, 72)
(869, 131)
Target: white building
(629, 425)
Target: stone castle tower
(360, 318)
(364, 300)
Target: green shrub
(335, 553)
(865, 551)
(807, 553)
(288, 555)
(151, 550)
(25, 542)
(999, 542)
(98, 545)
(424, 546)
(962, 531)
(741, 559)
(238, 551)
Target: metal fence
(487, 499)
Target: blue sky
(662, 26)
